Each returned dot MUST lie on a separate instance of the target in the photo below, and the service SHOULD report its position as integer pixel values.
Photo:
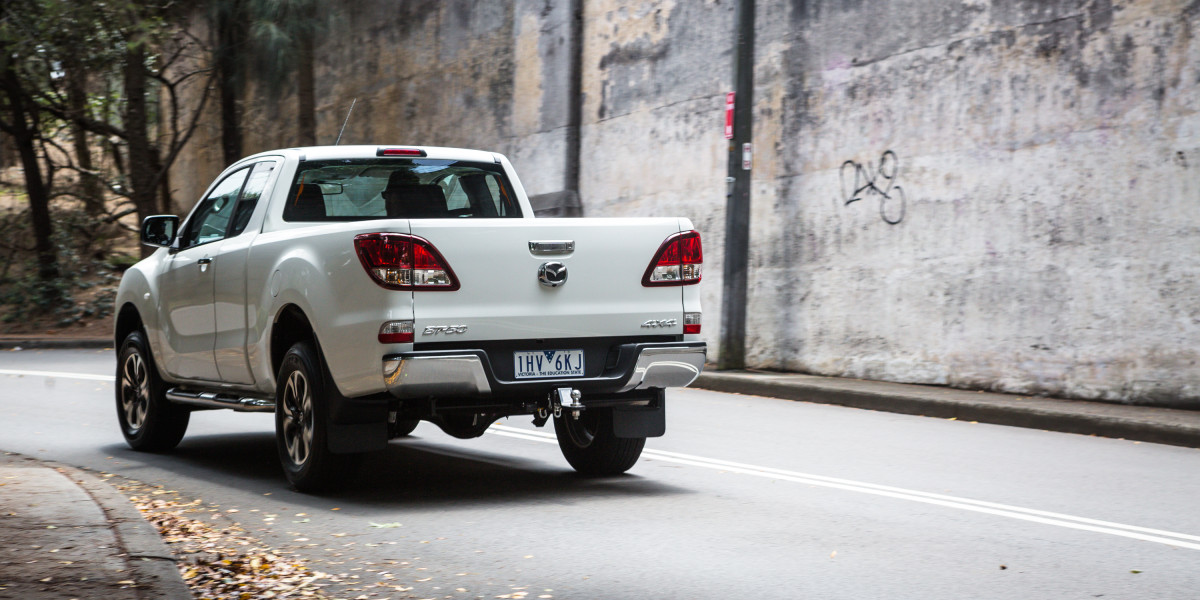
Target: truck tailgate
(501, 297)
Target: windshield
(390, 188)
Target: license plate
(548, 363)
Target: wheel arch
(291, 325)
(128, 320)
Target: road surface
(745, 497)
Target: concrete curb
(146, 553)
(1143, 423)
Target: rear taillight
(691, 322)
(396, 332)
(677, 262)
(399, 261)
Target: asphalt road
(745, 497)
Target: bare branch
(178, 144)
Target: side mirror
(159, 230)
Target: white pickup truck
(356, 290)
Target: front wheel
(301, 424)
(590, 446)
(149, 422)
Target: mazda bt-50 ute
(356, 290)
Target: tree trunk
(89, 184)
(164, 190)
(142, 154)
(227, 83)
(306, 119)
(23, 128)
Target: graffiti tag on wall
(864, 181)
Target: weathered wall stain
(859, 181)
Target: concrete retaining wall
(994, 194)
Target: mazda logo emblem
(552, 274)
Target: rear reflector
(691, 322)
(678, 261)
(399, 261)
(399, 152)
(396, 332)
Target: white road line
(1170, 538)
(87, 376)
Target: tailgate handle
(552, 247)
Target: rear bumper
(469, 373)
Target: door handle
(203, 263)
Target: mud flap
(641, 421)
(354, 424)
(357, 437)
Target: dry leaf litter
(219, 559)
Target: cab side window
(211, 219)
(253, 190)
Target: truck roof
(365, 151)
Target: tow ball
(559, 399)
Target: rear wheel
(402, 428)
(301, 424)
(149, 421)
(589, 445)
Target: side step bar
(214, 400)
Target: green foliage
(274, 31)
(90, 272)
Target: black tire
(588, 443)
(402, 428)
(301, 424)
(149, 422)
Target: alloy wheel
(135, 391)
(297, 417)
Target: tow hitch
(557, 401)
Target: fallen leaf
(386, 525)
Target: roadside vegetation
(97, 99)
(94, 254)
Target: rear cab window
(394, 188)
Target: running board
(214, 400)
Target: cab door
(187, 284)
(230, 302)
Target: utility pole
(737, 199)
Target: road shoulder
(1142, 423)
(73, 535)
